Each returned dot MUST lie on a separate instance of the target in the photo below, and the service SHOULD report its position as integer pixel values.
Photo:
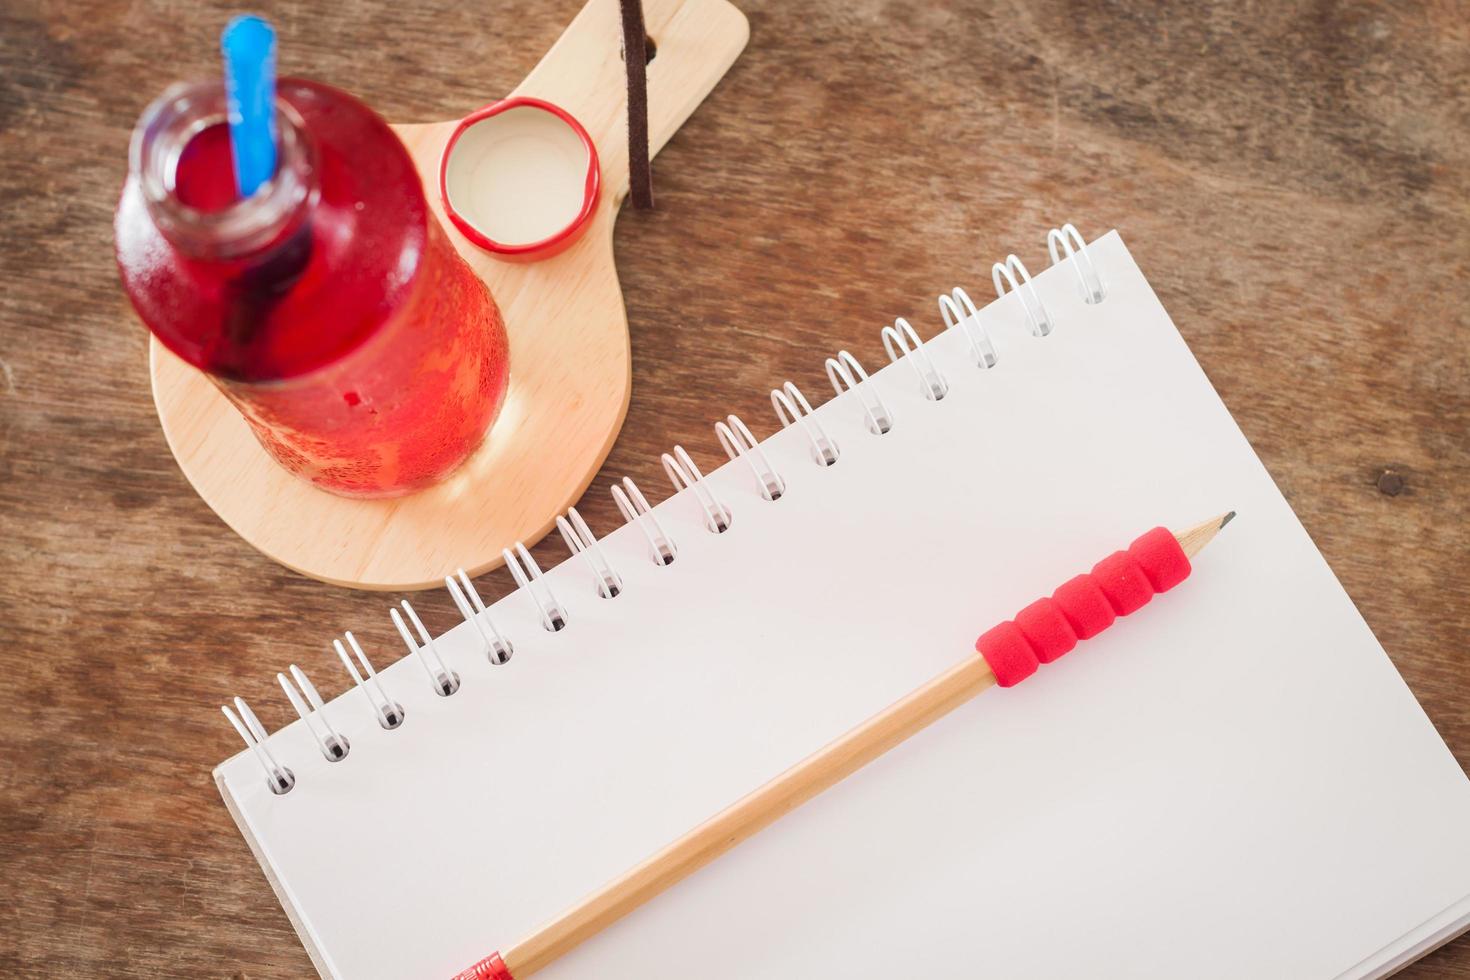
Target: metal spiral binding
(959, 310)
(472, 608)
(683, 474)
(525, 571)
(911, 349)
(334, 745)
(280, 779)
(388, 711)
(792, 407)
(846, 374)
(735, 437)
(1069, 240)
(635, 510)
(444, 680)
(579, 538)
(1035, 311)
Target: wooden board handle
(570, 377)
(696, 40)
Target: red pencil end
(491, 967)
(1083, 607)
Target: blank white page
(1233, 781)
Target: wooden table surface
(1293, 180)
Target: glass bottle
(330, 306)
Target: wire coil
(313, 713)
(846, 374)
(685, 475)
(1005, 273)
(388, 711)
(792, 408)
(959, 311)
(444, 680)
(901, 341)
(854, 390)
(738, 443)
(1069, 240)
(578, 537)
(635, 510)
(527, 573)
(280, 779)
(472, 608)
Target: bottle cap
(520, 178)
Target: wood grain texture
(570, 377)
(1291, 178)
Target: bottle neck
(244, 227)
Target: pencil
(1005, 655)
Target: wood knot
(1390, 482)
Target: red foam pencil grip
(491, 967)
(1120, 584)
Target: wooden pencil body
(833, 763)
(1131, 588)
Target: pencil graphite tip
(1193, 539)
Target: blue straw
(249, 47)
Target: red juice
(330, 307)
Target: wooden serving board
(570, 368)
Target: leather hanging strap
(635, 57)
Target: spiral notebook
(1233, 783)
